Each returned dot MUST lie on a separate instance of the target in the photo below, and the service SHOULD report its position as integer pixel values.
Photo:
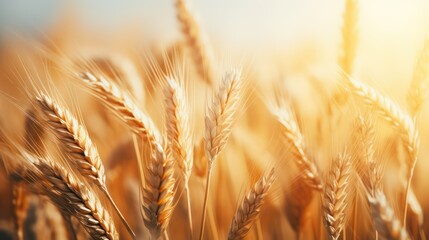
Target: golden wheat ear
(349, 35)
(73, 198)
(123, 107)
(158, 194)
(335, 196)
(417, 92)
(179, 138)
(198, 47)
(250, 207)
(77, 144)
(289, 128)
(220, 117)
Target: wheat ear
(417, 91)
(386, 223)
(250, 207)
(401, 121)
(158, 193)
(392, 113)
(293, 136)
(73, 198)
(219, 119)
(123, 107)
(199, 48)
(179, 134)
(335, 196)
(76, 142)
(371, 173)
(349, 35)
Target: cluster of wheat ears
(181, 173)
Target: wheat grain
(250, 207)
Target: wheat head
(250, 207)
(335, 196)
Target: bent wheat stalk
(335, 196)
(401, 121)
(179, 134)
(219, 119)
(286, 119)
(76, 142)
(250, 207)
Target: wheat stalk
(76, 142)
(219, 119)
(335, 196)
(293, 136)
(179, 133)
(417, 91)
(401, 121)
(250, 207)
(158, 194)
(199, 48)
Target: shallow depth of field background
(277, 39)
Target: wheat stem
(206, 194)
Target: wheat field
(133, 139)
